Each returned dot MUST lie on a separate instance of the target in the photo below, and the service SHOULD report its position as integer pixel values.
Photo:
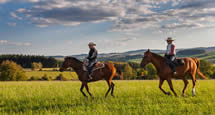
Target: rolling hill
(207, 53)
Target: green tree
(10, 71)
(151, 71)
(36, 66)
(128, 72)
(206, 68)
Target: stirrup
(90, 77)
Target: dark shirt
(92, 56)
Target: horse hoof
(183, 95)
(168, 93)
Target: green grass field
(132, 97)
(52, 74)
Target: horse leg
(86, 86)
(81, 89)
(171, 86)
(185, 86)
(112, 85)
(194, 83)
(160, 86)
(109, 85)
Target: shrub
(151, 71)
(33, 78)
(35, 66)
(10, 71)
(46, 78)
(61, 78)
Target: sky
(65, 27)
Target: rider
(92, 58)
(171, 54)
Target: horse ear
(148, 50)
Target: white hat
(91, 44)
(169, 39)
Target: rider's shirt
(170, 49)
(92, 56)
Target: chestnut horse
(190, 67)
(107, 73)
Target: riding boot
(90, 73)
(172, 65)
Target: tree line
(26, 60)
(10, 70)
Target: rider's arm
(94, 55)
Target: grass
(52, 74)
(132, 97)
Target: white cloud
(3, 1)
(3, 41)
(6, 42)
(127, 15)
(12, 24)
(14, 15)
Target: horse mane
(158, 56)
(73, 58)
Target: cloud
(126, 15)
(3, 1)
(6, 1)
(120, 42)
(3, 41)
(14, 15)
(6, 42)
(12, 24)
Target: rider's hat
(169, 39)
(91, 44)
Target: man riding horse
(92, 58)
(171, 54)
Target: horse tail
(116, 72)
(197, 61)
(112, 70)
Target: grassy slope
(132, 97)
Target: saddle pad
(94, 68)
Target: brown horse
(190, 67)
(107, 73)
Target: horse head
(147, 58)
(69, 62)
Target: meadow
(131, 97)
(53, 74)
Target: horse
(190, 67)
(107, 72)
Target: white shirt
(169, 49)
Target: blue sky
(64, 27)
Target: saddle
(96, 66)
(178, 62)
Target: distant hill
(136, 55)
(190, 52)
